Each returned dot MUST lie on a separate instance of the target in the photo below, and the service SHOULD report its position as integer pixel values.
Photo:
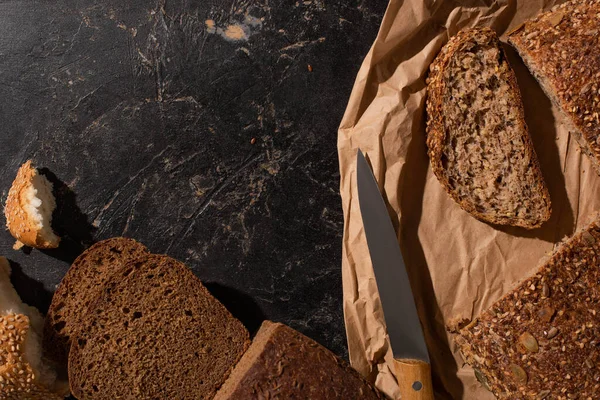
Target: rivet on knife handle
(414, 379)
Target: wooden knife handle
(414, 379)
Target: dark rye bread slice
(542, 340)
(561, 48)
(80, 286)
(282, 363)
(479, 146)
(155, 333)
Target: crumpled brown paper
(457, 265)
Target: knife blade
(412, 368)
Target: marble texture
(204, 129)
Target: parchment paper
(457, 265)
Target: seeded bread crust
(81, 285)
(561, 48)
(282, 363)
(155, 333)
(542, 340)
(437, 133)
(17, 378)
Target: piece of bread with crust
(81, 285)
(561, 48)
(282, 363)
(155, 333)
(542, 340)
(478, 143)
(29, 208)
(24, 372)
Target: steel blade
(402, 320)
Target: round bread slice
(155, 333)
(29, 208)
(81, 285)
(479, 146)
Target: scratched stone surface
(204, 129)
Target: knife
(411, 359)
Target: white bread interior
(39, 205)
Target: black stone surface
(154, 124)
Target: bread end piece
(29, 208)
(478, 143)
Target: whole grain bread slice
(155, 333)
(282, 363)
(542, 340)
(561, 48)
(477, 139)
(81, 285)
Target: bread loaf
(542, 340)
(561, 48)
(479, 146)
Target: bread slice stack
(479, 146)
(155, 332)
(135, 325)
(81, 285)
(141, 326)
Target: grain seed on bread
(479, 146)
